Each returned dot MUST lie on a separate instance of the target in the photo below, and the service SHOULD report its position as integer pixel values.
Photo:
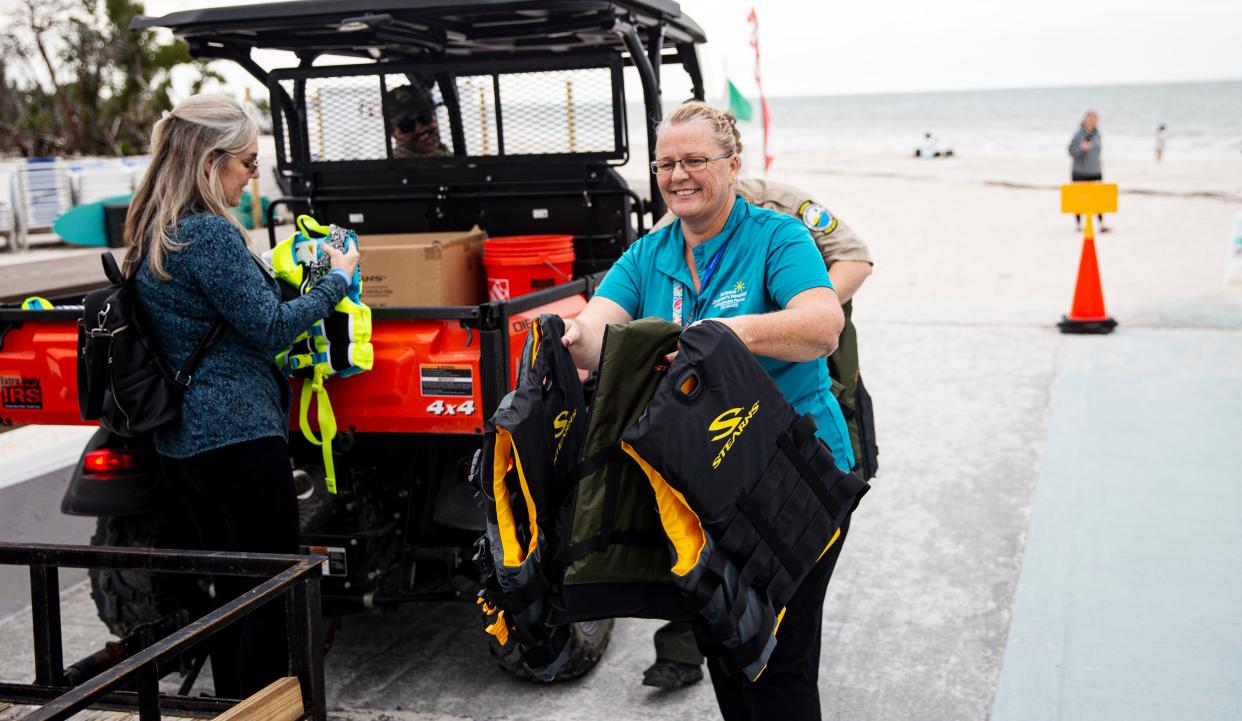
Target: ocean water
(1204, 121)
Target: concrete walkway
(1128, 604)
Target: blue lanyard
(679, 292)
(711, 266)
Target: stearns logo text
(560, 426)
(728, 426)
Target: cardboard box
(423, 269)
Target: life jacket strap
(327, 423)
(736, 657)
(584, 548)
(754, 513)
(517, 601)
(612, 488)
(713, 576)
(592, 463)
(812, 479)
(609, 459)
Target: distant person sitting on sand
(1161, 136)
(415, 128)
(932, 148)
(1084, 148)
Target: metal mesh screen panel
(557, 111)
(531, 113)
(477, 95)
(345, 118)
(282, 117)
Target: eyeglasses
(409, 123)
(252, 165)
(690, 165)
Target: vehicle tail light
(109, 460)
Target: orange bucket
(519, 265)
(528, 244)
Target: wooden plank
(12, 711)
(101, 715)
(279, 701)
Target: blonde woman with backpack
(226, 454)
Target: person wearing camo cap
(415, 127)
(678, 659)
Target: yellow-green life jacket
(339, 345)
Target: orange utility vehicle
(529, 100)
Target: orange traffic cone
(1087, 314)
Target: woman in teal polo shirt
(759, 272)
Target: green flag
(739, 106)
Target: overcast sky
(831, 47)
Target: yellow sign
(1089, 198)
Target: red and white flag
(763, 103)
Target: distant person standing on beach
(1161, 136)
(1085, 150)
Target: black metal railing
(294, 577)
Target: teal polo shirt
(762, 260)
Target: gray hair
(202, 131)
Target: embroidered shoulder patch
(816, 217)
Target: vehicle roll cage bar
(388, 30)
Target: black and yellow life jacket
(713, 505)
(615, 556)
(530, 448)
(749, 498)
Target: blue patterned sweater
(237, 393)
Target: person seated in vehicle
(415, 128)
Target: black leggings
(788, 689)
(241, 498)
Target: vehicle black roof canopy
(404, 29)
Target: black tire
(126, 599)
(587, 642)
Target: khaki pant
(674, 641)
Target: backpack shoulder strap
(183, 375)
(111, 269)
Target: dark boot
(672, 674)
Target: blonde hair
(203, 130)
(723, 125)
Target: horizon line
(1197, 81)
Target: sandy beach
(982, 240)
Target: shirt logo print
(731, 298)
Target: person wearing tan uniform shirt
(414, 122)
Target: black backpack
(123, 381)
